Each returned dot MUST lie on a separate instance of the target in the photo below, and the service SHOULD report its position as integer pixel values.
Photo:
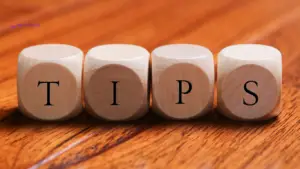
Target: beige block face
(250, 92)
(183, 91)
(182, 81)
(115, 92)
(116, 81)
(249, 82)
(49, 81)
(41, 103)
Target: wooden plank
(61, 22)
(29, 12)
(14, 10)
(8, 98)
(239, 20)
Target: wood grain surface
(151, 142)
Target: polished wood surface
(151, 142)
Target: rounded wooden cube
(49, 81)
(182, 80)
(249, 81)
(116, 81)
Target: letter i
(115, 93)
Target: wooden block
(116, 81)
(183, 80)
(49, 81)
(249, 81)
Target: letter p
(180, 92)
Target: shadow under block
(49, 81)
(249, 81)
(182, 80)
(116, 81)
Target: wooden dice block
(183, 80)
(49, 81)
(116, 81)
(249, 81)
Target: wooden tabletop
(151, 142)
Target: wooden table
(151, 142)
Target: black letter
(180, 90)
(115, 93)
(250, 92)
(48, 91)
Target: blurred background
(212, 142)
